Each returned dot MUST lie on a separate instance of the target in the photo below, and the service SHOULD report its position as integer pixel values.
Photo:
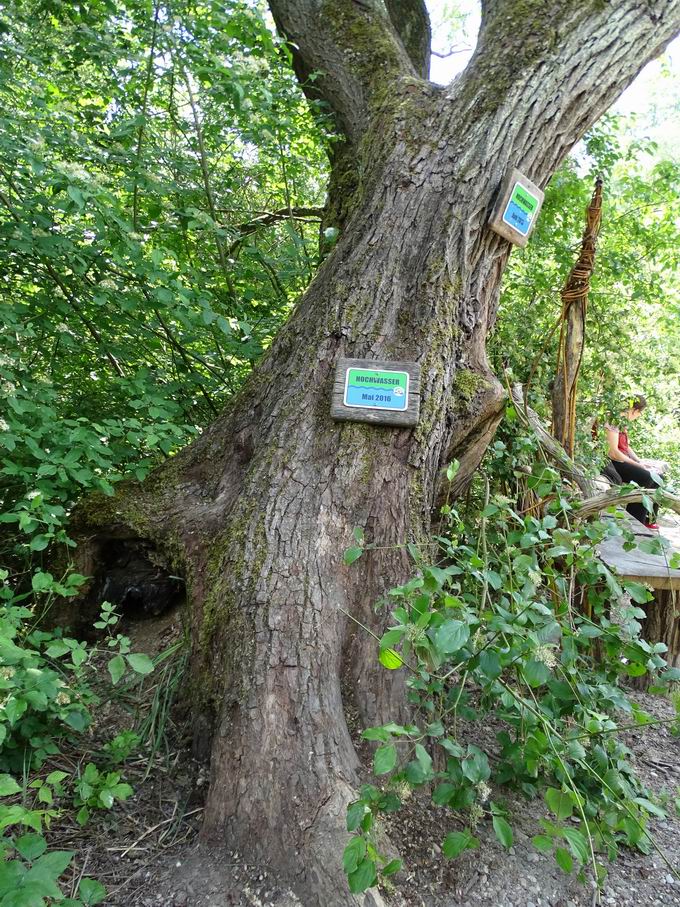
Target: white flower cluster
(483, 791)
(547, 655)
(4, 426)
(404, 791)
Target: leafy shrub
(521, 627)
(48, 693)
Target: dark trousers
(643, 478)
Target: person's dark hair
(638, 402)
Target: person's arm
(634, 456)
(612, 435)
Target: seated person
(630, 467)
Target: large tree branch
(556, 65)
(618, 497)
(352, 49)
(412, 23)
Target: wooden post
(573, 328)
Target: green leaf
(390, 659)
(475, 766)
(39, 542)
(535, 673)
(116, 668)
(564, 859)
(503, 831)
(561, 803)
(458, 841)
(355, 813)
(8, 786)
(140, 663)
(51, 864)
(352, 554)
(11, 874)
(637, 591)
(385, 759)
(577, 843)
(91, 891)
(543, 843)
(56, 777)
(424, 759)
(77, 719)
(489, 664)
(40, 582)
(451, 636)
(31, 846)
(376, 733)
(353, 854)
(363, 877)
(57, 648)
(392, 867)
(29, 895)
(443, 793)
(76, 195)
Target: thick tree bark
(258, 511)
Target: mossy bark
(258, 511)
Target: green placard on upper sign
(520, 210)
(376, 389)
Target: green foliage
(522, 628)
(632, 319)
(98, 790)
(47, 684)
(44, 683)
(151, 165)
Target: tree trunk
(258, 511)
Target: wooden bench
(662, 623)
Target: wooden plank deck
(651, 569)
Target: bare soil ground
(146, 851)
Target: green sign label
(520, 210)
(376, 389)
